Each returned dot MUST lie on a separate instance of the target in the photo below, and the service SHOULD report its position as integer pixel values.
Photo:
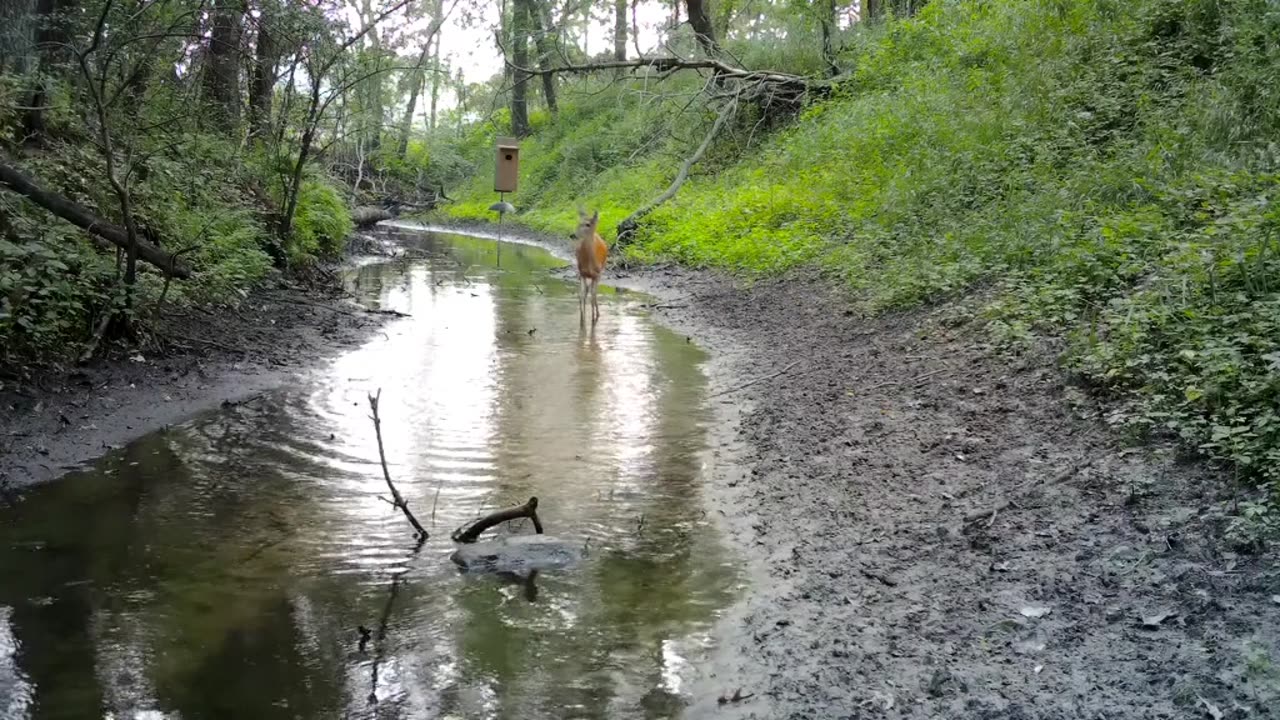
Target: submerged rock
(517, 554)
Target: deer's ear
(595, 218)
(582, 214)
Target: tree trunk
(18, 36)
(700, 21)
(461, 89)
(870, 9)
(541, 21)
(435, 82)
(828, 22)
(222, 73)
(262, 87)
(635, 28)
(373, 85)
(619, 29)
(906, 8)
(419, 78)
(294, 188)
(520, 57)
(51, 43)
(415, 89)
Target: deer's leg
(595, 300)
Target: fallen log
(80, 216)
(368, 216)
(470, 532)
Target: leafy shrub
(322, 223)
(49, 285)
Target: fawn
(591, 254)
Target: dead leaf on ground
(1035, 611)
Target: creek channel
(221, 568)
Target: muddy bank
(941, 531)
(56, 420)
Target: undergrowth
(1109, 167)
(55, 283)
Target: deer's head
(587, 225)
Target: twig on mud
(990, 515)
(386, 474)
(873, 575)
(434, 500)
(749, 383)
(210, 343)
(913, 381)
(338, 308)
(98, 332)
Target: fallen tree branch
(386, 474)
(368, 216)
(12, 179)
(627, 228)
(471, 531)
(1012, 496)
(662, 64)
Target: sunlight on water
(223, 568)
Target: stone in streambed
(517, 554)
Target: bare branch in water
(397, 498)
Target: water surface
(221, 569)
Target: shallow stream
(222, 568)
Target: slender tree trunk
(18, 20)
(51, 44)
(520, 57)
(906, 8)
(828, 22)
(304, 153)
(461, 88)
(419, 77)
(619, 29)
(435, 82)
(635, 28)
(222, 73)
(415, 89)
(373, 86)
(541, 21)
(506, 23)
(700, 21)
(262, 87)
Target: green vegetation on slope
(1109, 168)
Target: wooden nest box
(506, 173)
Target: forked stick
(398, 499)
(469, 532)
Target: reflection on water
(244, 565)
